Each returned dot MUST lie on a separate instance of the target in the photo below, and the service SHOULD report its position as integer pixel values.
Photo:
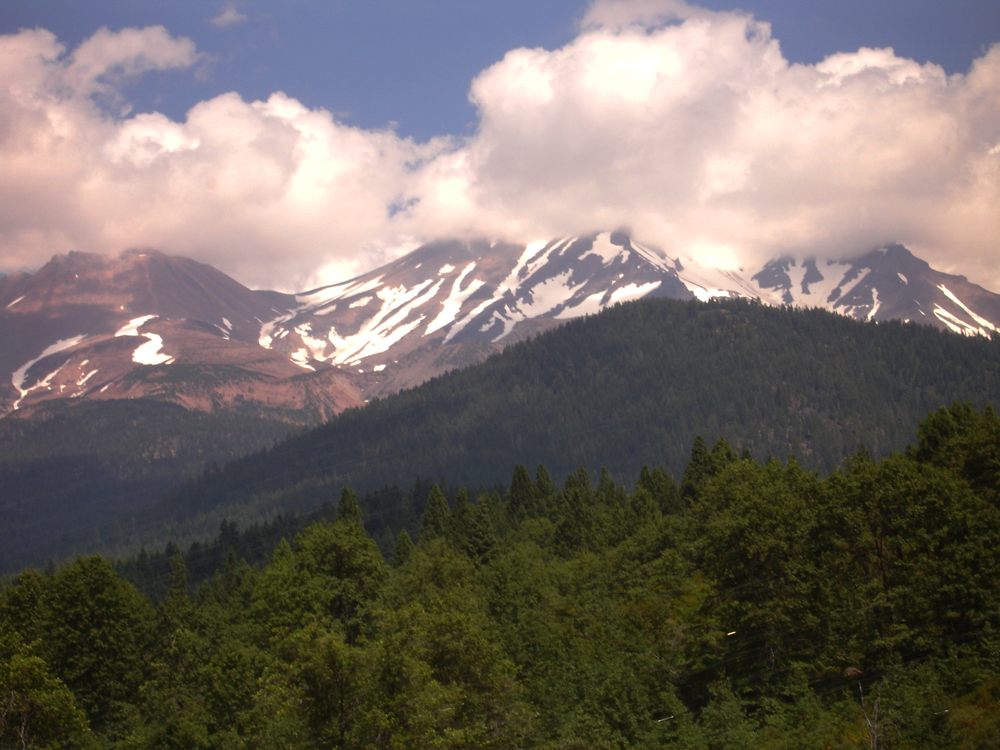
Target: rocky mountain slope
(886, 284)
(145, 324)
(149, 325)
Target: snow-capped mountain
(888, 283)
(453, 293)
(146, 324)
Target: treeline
(630, 386)
(754, 605)
(388, 511)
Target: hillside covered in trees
(633, 385)
(69, 467)
(755, 605)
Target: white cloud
(690, 127)
(269, 191)
(103, 60)
(228, 16)
(686, 125)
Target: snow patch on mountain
(605, 250)
(386, 327)
(825, 292)
(875, 305)
(633, 291)
(522, 268)
(452, 305)
(132, 327)
(301, 358)
(266, 337)
(315, 348)
(547, 295)
(83, 380)
(954, 323)
(657, 261)
(329, 294)
(147, 353)
(982, 321)
(707, 282)
(590, 305)
(17, 379)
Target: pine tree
(698, 469)
(580, 480)
(523, 494)
(348, 509)
(642, 509)
(482, 537)
(403, 550)
(437, 516)
(177, 589)
(461, 520)
(544, 482)
(662, 487)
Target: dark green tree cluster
(631, 386)
(69, 467)
(387, 511)
(755, 605)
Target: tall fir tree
(437, 516)
(523, 495)
(403, 549)
(348, 508)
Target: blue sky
(410, 62)
(302, 142)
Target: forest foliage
(631, 386)
(755, 604)
(70, 466)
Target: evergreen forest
(68, 467)
(754, 604)
(631, 386)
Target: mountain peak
(446, 304)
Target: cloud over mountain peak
(687, 125)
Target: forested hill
(756, 606)
(72, 465)
(633, 385)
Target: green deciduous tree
(334, 573)
(36, 708)
(96, 637)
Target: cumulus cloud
(686, 125)
(690, 127)
(267, 190)
(228, 16)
